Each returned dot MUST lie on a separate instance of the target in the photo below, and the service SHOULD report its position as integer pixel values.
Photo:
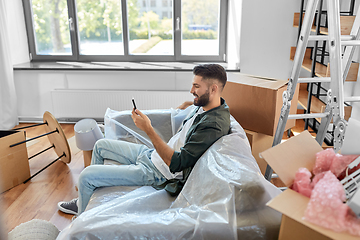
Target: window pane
(165, 3)
(150, 32)
(200, 27)
(51, 27)
(100, 27)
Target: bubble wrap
(326, 207)
(327, 160)
(340, 163)
(302, 182)
(323, 161)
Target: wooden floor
(38, 198)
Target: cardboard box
(286, 158)
(259, 142)
(256, 102)
(14, 162)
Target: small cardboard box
(14, 162)
(286, 158)
(259, 142)
(256, 102)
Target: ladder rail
(339, 69)
(302, 44)
(350, 50)
(336, 71)
(313, 63)
(295, 73)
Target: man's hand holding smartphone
(133, 101)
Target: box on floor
(256, 102)
(286, 158)
(259, 142)
(14, 163)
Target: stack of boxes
(255, 102)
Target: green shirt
(206, 129)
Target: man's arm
(185, 104)
(144, 124)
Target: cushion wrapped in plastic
(223, 198)
(120, 126)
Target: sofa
(224, 197)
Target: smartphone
(133, 101)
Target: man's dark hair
(211, 71)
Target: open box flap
(264, 82)
(293, 205)
(286, 158)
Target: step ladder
(339, 68)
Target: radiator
(75, 104)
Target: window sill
(114, 66)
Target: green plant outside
(101, 21)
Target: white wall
(267, 34)
(34, 87)
(233, 37)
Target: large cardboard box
(259, 142)
(14, 162)
(286, 158)
(256, 102)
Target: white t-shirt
(176, 142)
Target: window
(164, 3)
(126, 30)
(153, 3)
(165, 14)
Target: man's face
(201, 91)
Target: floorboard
(37, 198)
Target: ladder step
(351, 43)
(309, 115)
(326, 37)
(352, 99)
(314, 80)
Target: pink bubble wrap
(326, 207)
(302, 182)
(323, 160)
(340, 163)
(327, 160)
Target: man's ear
(214, 88)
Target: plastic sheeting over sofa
(224, 197)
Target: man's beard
(202, 100)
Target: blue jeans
(137, 169)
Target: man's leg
(119, 151)
(95, 176)
(138, 170)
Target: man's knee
(100, 143)
(86, 175)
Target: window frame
(127, 57)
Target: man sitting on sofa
(169, 164)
